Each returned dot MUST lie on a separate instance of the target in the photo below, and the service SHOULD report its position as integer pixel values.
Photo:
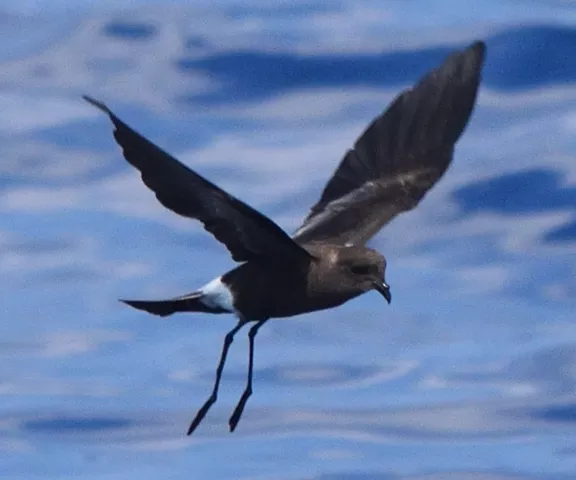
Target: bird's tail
(187, 303)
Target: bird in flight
(396, 160)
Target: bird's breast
(273, 291)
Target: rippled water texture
(469, 374)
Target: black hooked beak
(384, 290)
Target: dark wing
(400, 156)
(247, 234)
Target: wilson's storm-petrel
(325, 263)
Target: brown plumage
(399, 157)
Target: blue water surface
(469, 374)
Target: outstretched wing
(400, 156)
(247, 233)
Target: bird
(389, 169)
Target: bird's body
(325, 263)
(256, 291)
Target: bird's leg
(235, 418)
(212, 398)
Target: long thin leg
(213, 397)
(235, 418)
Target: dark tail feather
(163, 308)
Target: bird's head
(364, 269)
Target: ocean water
(469, 374)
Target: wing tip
(458, 80)
(471, 59)
(96, 103)
(478, 47)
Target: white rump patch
(217, 295)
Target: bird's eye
(361, 269)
